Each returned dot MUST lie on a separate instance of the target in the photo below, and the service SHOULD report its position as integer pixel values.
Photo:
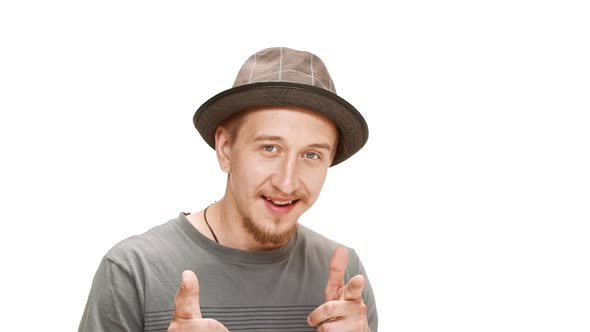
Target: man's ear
(222, 148)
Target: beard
(266, 235)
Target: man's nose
(285, 178)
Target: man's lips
(281, 201)
(280, 205)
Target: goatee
(266, 236)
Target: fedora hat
(281, 76)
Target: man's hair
(233, 124)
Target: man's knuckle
(363, 309)
(359, 325)
(173, 327)
(331, 308)
(210, 324)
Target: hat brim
(352, 127)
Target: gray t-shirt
(137, 280)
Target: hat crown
(282, 64)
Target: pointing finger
(186, 305)
(337, 269)
(354, 288)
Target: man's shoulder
(152, 243)
(321, 247)
(312, 240)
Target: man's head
(276, 133)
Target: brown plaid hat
(282, 76)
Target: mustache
(296, 195)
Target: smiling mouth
(280, 202)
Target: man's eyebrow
(268, 138)
(324, 146)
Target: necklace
(206, 222)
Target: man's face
(277, 163)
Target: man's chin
(266, 236)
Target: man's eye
(269, 148)
(311, 155)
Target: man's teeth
(279, 202)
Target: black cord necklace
(206, 222)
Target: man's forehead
(281, 123)
(289, 113)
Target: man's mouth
(280, 201)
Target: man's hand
(344, 309)
(187, 311)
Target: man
(275, 133)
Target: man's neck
(227, 226)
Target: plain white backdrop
(469, 205)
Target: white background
(469, 205)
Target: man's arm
(368, 298)
(113, 303)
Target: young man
(275, 133)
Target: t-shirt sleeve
(113, 303)
(368, 295)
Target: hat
(281, 76)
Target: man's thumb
(186, 305)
